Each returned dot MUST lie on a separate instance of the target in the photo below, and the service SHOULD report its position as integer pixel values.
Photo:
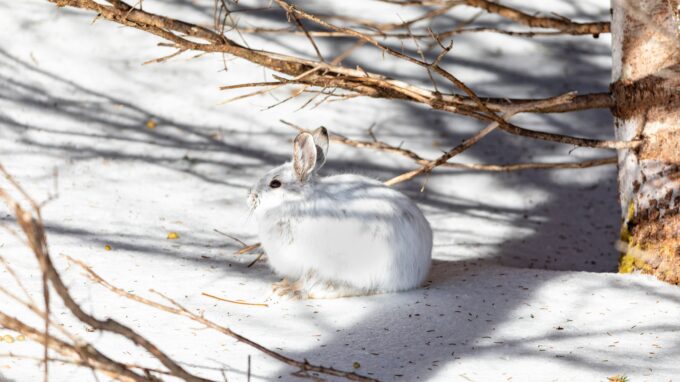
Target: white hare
(337, 236)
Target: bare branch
(562, 24)
(378, 145)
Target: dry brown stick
(179, 310)
(248, 249)
(385, 147)
(259, 256)
(529, 33)
(46, 300)
(253, 85)
(537, 166)
(542, 105)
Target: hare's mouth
(253, 200)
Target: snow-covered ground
(523, 285)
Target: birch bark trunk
(646, 91)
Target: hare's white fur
(341, 235)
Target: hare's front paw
(329, 290)
(285, 290)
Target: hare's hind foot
(319, 289)
(285, 290)
(311, 287)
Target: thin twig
(259, 256)
(240, 302)
(245, 247)
(309, 37)
(164, 58)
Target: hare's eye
(275, 184)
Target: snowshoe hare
(337, 236)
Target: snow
(523, 286)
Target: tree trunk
(646, 92)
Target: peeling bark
(646, 94)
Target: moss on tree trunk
(646, 92)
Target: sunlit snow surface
(521, 289)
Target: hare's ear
(321, 140)
(304, 156)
